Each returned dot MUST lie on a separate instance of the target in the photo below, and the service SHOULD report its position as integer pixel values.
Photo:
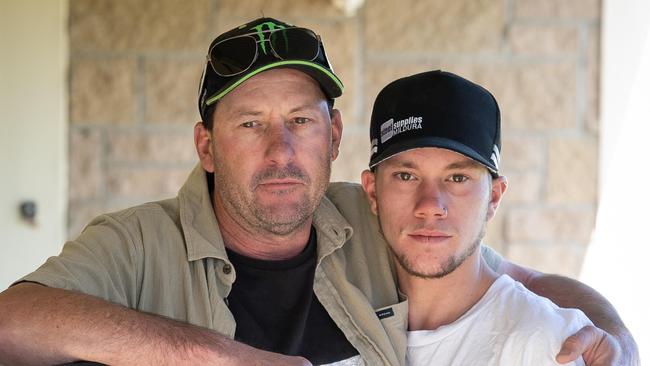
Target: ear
(368, 183)
(203, 144)
(499, 186)
(337, 132)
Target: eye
(404, 176)
(249, 124)
(458, 178)
(300, 120)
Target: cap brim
(444, 143)
(332, 86)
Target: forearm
(40, 325)
(569, 293)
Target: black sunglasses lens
(295, 43)
(233, 56)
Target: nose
(280, 149)
(431, 202)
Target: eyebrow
(465, 164)
(306, 106)
(462, 164)
(402, 164)
(243, 112)
(247, 113)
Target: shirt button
(226, 268)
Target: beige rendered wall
(135, 68)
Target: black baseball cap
(436, 109)
(260, 45)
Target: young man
(434, 184)
(251, 261)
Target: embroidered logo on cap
(260, 32)
(392, 128)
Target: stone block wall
(135, 67)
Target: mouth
(279, 177)
(280, 184)
(429, 236)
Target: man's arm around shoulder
(41, 325)
(609, 344)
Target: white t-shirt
(508, 326)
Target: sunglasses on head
(235, 55)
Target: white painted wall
(618, 260)
(33, 132)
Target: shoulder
(136, 216)
(535, 311)
(536, 327)
(350, 201)
(340, 192)
(134, 227)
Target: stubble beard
(446, 267)
(241, 203)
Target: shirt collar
(332, 229)
(200, 227)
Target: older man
(249, 264)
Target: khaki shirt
(168, 258)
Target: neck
(440, 301)
(259, 243)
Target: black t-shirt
(275, 308)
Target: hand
(300, 361)
(270, 359)
(597, 348)
(282, 360)
(249, 356)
